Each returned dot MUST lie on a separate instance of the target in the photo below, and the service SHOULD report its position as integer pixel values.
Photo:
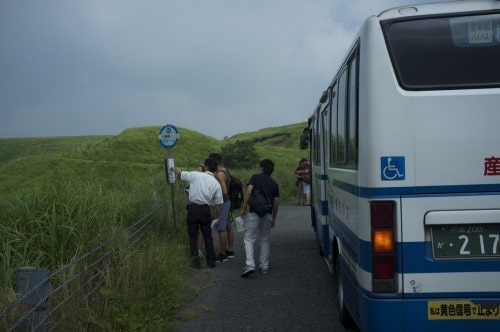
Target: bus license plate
(466, 241)
(462, 309)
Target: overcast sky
(220, 67)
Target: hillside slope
(141, 145)
(12, 148)
(132, 155)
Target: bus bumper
(430, 314)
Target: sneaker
(264, 271)
(221, 258)
(247, 271)
(230, 254)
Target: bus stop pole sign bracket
(168, 137)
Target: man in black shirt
(259, 226)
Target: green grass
(63, 196)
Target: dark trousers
(200, 218)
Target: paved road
(296, 294)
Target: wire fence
(45, 299)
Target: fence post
(34, 284)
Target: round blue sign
(168, 136)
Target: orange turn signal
(383, 241)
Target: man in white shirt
(204, 191)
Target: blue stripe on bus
(326, 241)
(393, 192)
(417, 256)
(456, 295)
(429, 295)
(351, 242)
(324, 208)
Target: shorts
(225, 213)
(306, 187)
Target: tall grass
(50, 227)
(146, 294)
(143, 290)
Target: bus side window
(341, 120)
(352, 135)
(333, 127)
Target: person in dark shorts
(224, 228)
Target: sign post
(167, 138)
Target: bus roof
(438, 8)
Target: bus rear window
(445, 52)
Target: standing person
(307, 182)
(259, 226)
(299, 183)
(224, 227)
(201, 245)
(204, 191)
(199, 168)
(303, 174)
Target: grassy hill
(140, 145)
(12, 148)
(26, 163)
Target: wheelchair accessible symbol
(392, 168)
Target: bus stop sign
(168, 136)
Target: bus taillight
(382, 217)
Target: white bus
(405, 162)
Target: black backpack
(235, 192)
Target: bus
(404, 150)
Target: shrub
(241, 154)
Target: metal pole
(172, 189)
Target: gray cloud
(219, 67)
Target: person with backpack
(259, 209)
(224, 228)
